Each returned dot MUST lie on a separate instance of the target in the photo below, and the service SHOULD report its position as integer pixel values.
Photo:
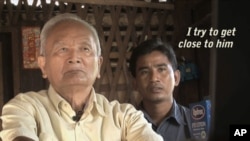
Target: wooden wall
(121, 27)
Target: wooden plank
(115, 14)
(80, 10)
(16, 41)
(132, 3)
(121, 68)
(1, 83)
(1, 7)
(107, 44)
(15, 44)
(69, 7)
(161, 30)
(48, 10)
(62, 7)
(115, 55)
(99, 14)
(147, 17)
(9, 7)
(18, 12)
(106, 69)
(131, 13)
(30, 9)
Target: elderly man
(70, 110)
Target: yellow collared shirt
(46, 116)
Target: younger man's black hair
(149, 46)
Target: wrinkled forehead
(83, 26)
(67, 32)
(69, 25)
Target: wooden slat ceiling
(133, 3)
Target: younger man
(153, 65)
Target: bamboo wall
(120, 29)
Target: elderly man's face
(70, 56)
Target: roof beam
(132, 3)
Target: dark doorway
(6, 67)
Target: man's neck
(76, 96)
(157, 111)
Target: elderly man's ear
(100, 60)
(41, 64)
